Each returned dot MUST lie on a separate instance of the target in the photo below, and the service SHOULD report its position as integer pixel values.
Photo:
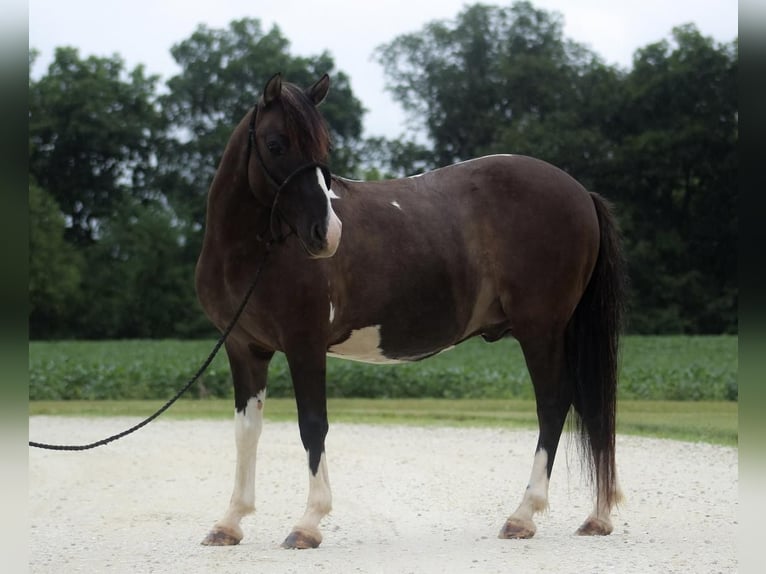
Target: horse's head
(291, 143)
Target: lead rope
(186, 387)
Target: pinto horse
(399, 270)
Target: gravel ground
(406, 499)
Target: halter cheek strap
(252, 144)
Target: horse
(398, 270)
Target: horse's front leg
(307, 368)
(249, 369)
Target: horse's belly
(365, 345)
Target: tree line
(119, 164)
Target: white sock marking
(247, 431)
(536, 495)
(319, 501)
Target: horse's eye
(275, 147)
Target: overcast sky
(142, 31)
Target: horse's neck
(231, 202)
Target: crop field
(673, 368)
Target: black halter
(278, 188)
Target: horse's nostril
(316, 233)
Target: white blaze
(334, 224)
(328, 192)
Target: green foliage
(677, 150)
(75, 370)
(55, 267)
(654, 368)
(141, 275)
(92, 130)
(680, 368)
(499, 80)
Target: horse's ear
(273, 89)
(318, 92)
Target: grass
(709, 421)
(653, 368)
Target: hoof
(595, 527)
(221, 536)
(516, 528)
(302, 539)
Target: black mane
(305, 125)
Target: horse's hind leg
(249, 368)
(553, 393)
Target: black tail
(592, 351)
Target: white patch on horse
(328, 192)
(396, 205)
(334, 225)
(332, 312)
(247, 430)
(538, 480)
(536, 495)
(362, 345)
(319, 501)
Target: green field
(670, 368)
(674, 387)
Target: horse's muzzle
(323, 245)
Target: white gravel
(406, 499)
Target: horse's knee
(313, 430)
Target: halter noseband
(278, 187)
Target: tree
(383, 158)
(677, 141)
(92, 136)
(55, 267)
(140, 281)
(222, 74)
(502, 80)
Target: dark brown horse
(497, 246)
